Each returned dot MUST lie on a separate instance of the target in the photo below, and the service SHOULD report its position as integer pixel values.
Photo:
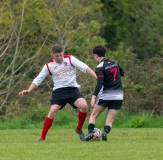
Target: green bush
(137, 122)
(37, 114)
(143, 87)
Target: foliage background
(131, 30)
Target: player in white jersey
(62, 68)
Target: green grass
(64, 144)
(68, 119)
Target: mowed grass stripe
(122, 144)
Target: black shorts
(62, 96)
(110, 104)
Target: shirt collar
(102, 60)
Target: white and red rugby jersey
(63, 74)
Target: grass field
(122, 144)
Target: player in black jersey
(108, 89)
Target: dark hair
(99, 50)
(57, 48)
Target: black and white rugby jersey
(63, 74)
(109, 85)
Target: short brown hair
(57, 48)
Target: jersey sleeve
(41, 76)
(121, 71)
(78, 64)
(100, 78)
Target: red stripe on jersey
(100, 75)
(48, 66)
(69, 56)
(52, 60)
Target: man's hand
(93, 101)
(24, 92)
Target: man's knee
(84, 107)
(53, 111)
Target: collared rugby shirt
(109, 85)
(63, 74)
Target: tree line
(131, 31)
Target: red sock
(47, 124)
(81, 120)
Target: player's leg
(113, 108)
(49, 120)
(56, 104)
(78, 101)
(92, 121)
(108, 124)
(81, 104)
